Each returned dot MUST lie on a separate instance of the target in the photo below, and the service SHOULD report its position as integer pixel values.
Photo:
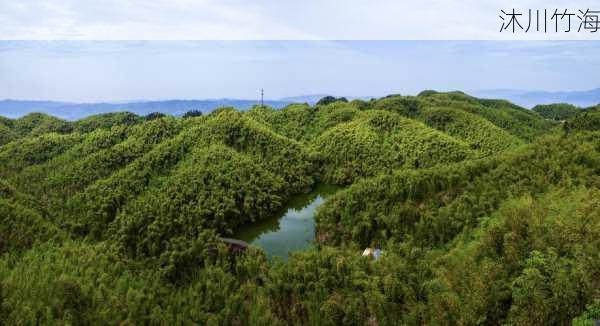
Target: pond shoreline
(291, 228)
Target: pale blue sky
(130, 70)
(271, 19)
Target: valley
(486, 213)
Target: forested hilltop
(486, 212)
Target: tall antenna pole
(262, 97)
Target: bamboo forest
(435, 209)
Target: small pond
(292, 228)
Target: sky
(92, 71)
(273, 19)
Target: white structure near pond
(374, 253)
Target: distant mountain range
(311, 99)
(314, 98)
(530, 99)
(74, 111)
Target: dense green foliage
(529, 263)
(39, 123)
(485, 212)
(586, 120)
(33, 150)
(192, 113)
(433, 205)
(7, 134)
(21, 226)
(558, 111)
(380, 141)
(106, 120)
(476, 131)
(331, 99)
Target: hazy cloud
(268, 19)
(125, 70)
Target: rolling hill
(486, 212)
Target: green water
(292, 228)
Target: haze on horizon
(93, 71)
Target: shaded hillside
(443, 201)
(7, 134)
(585, 120)
(557, 111)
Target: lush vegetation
(558, 111)
(487, 213)
(377, 141)
(331, 99)
(586, 120)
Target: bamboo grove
(487, 213)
